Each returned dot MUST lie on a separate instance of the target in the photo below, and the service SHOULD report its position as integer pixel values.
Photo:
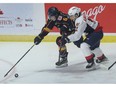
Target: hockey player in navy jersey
(65, 25)
(93, 32)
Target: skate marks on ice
(76, 73)
(54, 74)
(74, 69)
(105, 65)
(4, 67)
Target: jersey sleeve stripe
(47, 29)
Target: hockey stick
(59, 52)
(60, 47)
(18, 61)
(111, 65)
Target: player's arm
(80, 28)
(45, 30)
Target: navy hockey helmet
(53, 11)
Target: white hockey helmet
(74, 11)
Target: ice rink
(38, 66)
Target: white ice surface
(38, 66)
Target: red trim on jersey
(98, 28)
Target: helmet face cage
(52, 12)
(51, 16)
(77, 14)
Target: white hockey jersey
(83, 25)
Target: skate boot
(63, 62)
(103, 58)
(91, 64)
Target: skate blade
(61, 66)
(95, 67)
(104, 61)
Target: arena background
(22, 22)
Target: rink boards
(16, 27)
(49, 38)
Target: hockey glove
(65, 40)
(37, 40)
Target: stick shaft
(111, 65)
(60, 47)
(19, 60)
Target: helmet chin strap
(76, 16)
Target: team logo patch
(77, 24)
(60, 18)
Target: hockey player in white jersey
(93, 32)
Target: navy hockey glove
(37, 40)
(65, 40)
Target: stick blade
(5, 75)
(109, 68)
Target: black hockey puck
(16, 75)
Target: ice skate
(91, 66)
(63, 62)
(102, 59)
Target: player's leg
(87, 52)
(89, 56)
(94, 42)
(62, 53)
(89, 43)
(100, 55)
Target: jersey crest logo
(77, 24)
(60, 18)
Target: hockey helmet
(53, 11)
(74, 11)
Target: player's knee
(84, 46)
(58, 40)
